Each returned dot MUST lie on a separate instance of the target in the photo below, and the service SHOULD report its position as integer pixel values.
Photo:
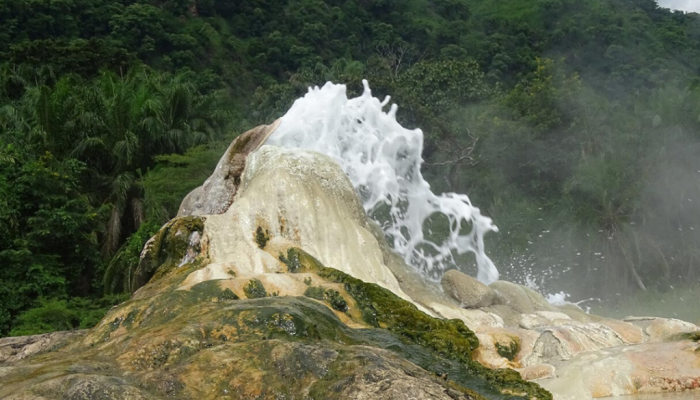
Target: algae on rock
(164, 345)
(207, 322)
(449, 339)
(168, 249)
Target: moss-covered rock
(333, 297)
(254, 289)
(509, 350)
(347, 339)
(168, 248)
(449, 339)
(261, 237)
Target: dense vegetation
(573, 123)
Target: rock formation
(467, 291)
(241, 303)
(273, 283)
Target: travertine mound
(261, 299)
(272, 283)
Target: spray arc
(383, 161)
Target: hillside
(572, 123)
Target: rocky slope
(233, 305)
(272, 283)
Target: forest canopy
(574, 124)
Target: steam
(683, 5)
(383, 161)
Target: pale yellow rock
(542, 319)
(467, 291)
(627, 332)
(536, 372)
(533, 321)
(514, 295)
(553, 315)
(563, 342)
(662, 329)
(303, 199)
(646, 368)
(476, 320)
(487, 353)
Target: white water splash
(558, 299)
(383, 160)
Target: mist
(684, 5)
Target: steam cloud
(685, 5)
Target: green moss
(449, 339)
(205, 318)
(239, 144)
(167, 249)
(510, 350)
(130, 318)
(336, 300)
(281, 318)
(292, 260)
(262, 237)
(254, 289)
(692, 336)
(227, 294)
(333, 297)
(382, 308)
(315, 293)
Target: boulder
(535, 372)
(467, 291)
(663, 329)
(538, 301)
(514, 296)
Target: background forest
(574, 124)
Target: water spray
(383, 161)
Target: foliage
(121, 268)
(162, 193)
(61, 315)
(572, 123)
(48, 231)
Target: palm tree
(114, 124)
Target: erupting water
(383, 160)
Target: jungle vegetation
(574, 124)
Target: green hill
(573, 123)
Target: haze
(685, 5)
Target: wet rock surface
(196, 329)
(13, 349)
(467, 291)
(216, 194)
(284, 289)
